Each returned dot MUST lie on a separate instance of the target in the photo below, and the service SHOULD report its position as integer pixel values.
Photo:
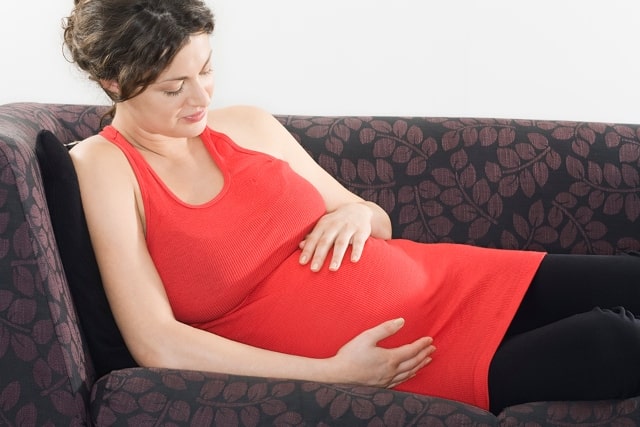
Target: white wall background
(544, 59)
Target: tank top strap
(137, 161)
(223, 149)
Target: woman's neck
(146, 141)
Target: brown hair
(131, 42)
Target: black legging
(571, 339)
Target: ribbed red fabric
(230, 266)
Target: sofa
(557, 186)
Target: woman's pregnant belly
(298, 311)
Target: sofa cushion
(62, 193)
(615, 412)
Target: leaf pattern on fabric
(475, 181)
(226, 400)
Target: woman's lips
(194, 118)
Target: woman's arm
(143, 314)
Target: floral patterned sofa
(562, 187)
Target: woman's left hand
(349, 224)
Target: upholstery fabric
(45, 371)
(161, 397)
(562, 187)
(542, 414)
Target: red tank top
(230, 266)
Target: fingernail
(399, 321)
(334, 266)
(303, 259)
(314, 266)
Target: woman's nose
(201, 94)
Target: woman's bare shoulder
(90, 146)
(250, 127)
(236, 114)
(239, 118)
(97, 160)
(107, 183)
(95, 149)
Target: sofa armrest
(144, 396)
(46, 374)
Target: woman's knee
(617, 335)
(588, 356)
(616, 331)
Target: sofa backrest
(561, 187)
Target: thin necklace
(141, 147)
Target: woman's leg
(570, 284)
(561, 345)
(589, 356)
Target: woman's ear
(111, 86)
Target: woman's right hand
(362, 361)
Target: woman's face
(176, 104)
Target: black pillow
(62, 192)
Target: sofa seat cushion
(62, 193)
(624, 412)
(151, 396)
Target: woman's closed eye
(206, 72)
(175, 92)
